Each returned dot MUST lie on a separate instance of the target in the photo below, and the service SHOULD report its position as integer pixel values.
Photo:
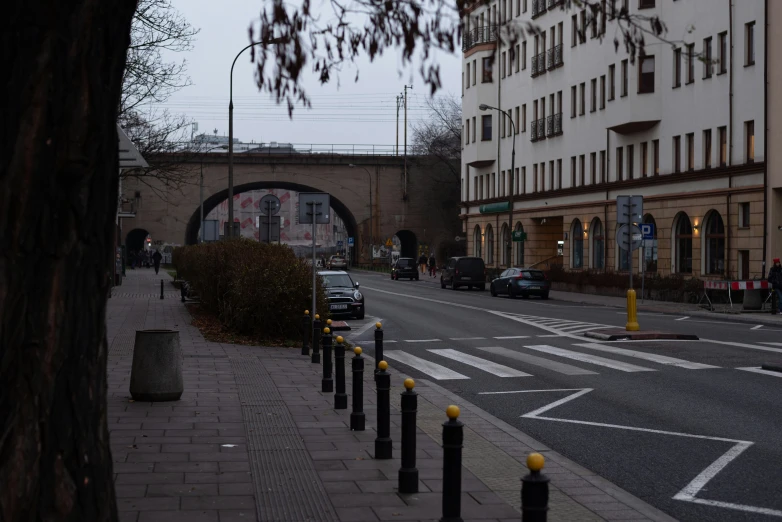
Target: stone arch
(134, 240)
(408, 244)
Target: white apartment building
(683, 126)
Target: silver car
(337, 263)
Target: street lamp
(485, 107)
(369, 174)
(201, 191)
(231, 144)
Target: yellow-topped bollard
(357, 350)
(453, 438)
(409, 384)
(535, 461)
(328, 322)
(452, 412)
(383, 365)
(317, 316)
(378, 325)
(306, 312)
(632, 313)
(326, 331)
(340, 339)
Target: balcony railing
(554, 125)
(479, 35)
(538, 64)
(538, 8)
(538, 129)
(555, 57)
(553, 3)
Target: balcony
(553, 3)
(538, 8)
(538, 129)
(554, 125)
(538, 64)
(478, 36)
(555, 57)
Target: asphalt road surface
(691, 427)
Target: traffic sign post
(269, 206)
(647, 230)
(314, 209)
(519, 235)
(350, 242)
(629, 210)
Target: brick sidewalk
(253, 438)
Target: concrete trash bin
(752, 300)
(156, 375)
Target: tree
(58, 188)
(440, 134)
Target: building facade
(683, 126)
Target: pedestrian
(156, 258)
(775, 279)
(132, 256)
(432, 265)
(422, 263)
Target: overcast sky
(349, 113)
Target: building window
(467, 83)
(743, 215)
(577, 245)
(749, 44)
(677, 153)
(524, 55)
(582, 98)
(572, 171)
(487, 70)
(474, 71)
(707, 65)
(543, 177)
(619, 164)
(656, 157)
(593, 168)
(744, 264)
(486, 127)
(518, 250)
(715, 244)
(690, 151)
(593, 95)
(524, 118)
(573, 101)
(723, 132)
(597, 248)
(611, 82)
(467, 136)
(551, 175)
(516, 59)
(474, 132)
(581, 170)
(644, 159)
(573, 30)
(650, 249)
(645, 4)
(524, 4)
(630, 161)
(677, 68)
(707, 149)
(523, 180)
(749, 136)
(690, 63)
(503, 57)
(646, 76)
(723, 52)
(624, 78)
(476, 241)
(602, 166)
(603, 92)
(683, 244)
(559, 174)
(535, 177)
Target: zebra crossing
(538, 356)
(555, 326)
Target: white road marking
(433, 370)
(513, 337)
(744, 345)
(590, 359)
(661, 359)
(423, 340)
(534, 360)
(466, 338)
(534, 322)
(528, 391)
(758, 327)
(482, 364)
(682, 318)
(549, 335)
(761, 370)
(364, 328)
(689, 492)
(770, 344)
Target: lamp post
(369, 175)
(231, 144)
(201, 192)
(485, 107)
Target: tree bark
(62, 63)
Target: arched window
(476, 241)
(597, 248)
(505, 245)
(518, 250)
(650, 247)
(683, 244)
(489, 245)
(577, 244)
(715, 243)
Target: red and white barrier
(736, 285)
(715, 285)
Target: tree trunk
(62, 63)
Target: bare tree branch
(440, 134)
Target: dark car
(404, 267)
(342, 293)
(522, 282)
(464, 271)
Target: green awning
(493, 208)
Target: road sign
(647, 229)
(632, 205)
(389, 243)
(320, 202)
(458, 238)
(269, 225)
(339, 243)
(269, 205)
(519, 235)
(633, 238)
(350, 241)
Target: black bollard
(161, 289)
(453, 436)
(340, 397)
(357, 417)
(327, 383)
(534, 491)
(408, 473)
(383, 448)
(378, 346)
(316, 340)
(305, 333)
(183, 289)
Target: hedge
(253, 288)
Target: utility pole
(398, 104)
(405, 189)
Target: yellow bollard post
(632, 313)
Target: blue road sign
(350, 241)
(647, 230)
(339, 243)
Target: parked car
(337, 263)
(522, 282)
(342, 293)
(464, 271)
(405, 267)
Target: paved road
(693, 427)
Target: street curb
(771, 367)
(640, 336)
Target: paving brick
(246, 488)
(216, 502)
(237, 515)
(366, 499)
(356, 514)
(130, 490)
(180, 516)
(128, 516)
(218, 478)
(217, 456)
(355, 474)
(188, 467)
(234, 466)
(157, 457)
(133, 467)
(147, 504)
